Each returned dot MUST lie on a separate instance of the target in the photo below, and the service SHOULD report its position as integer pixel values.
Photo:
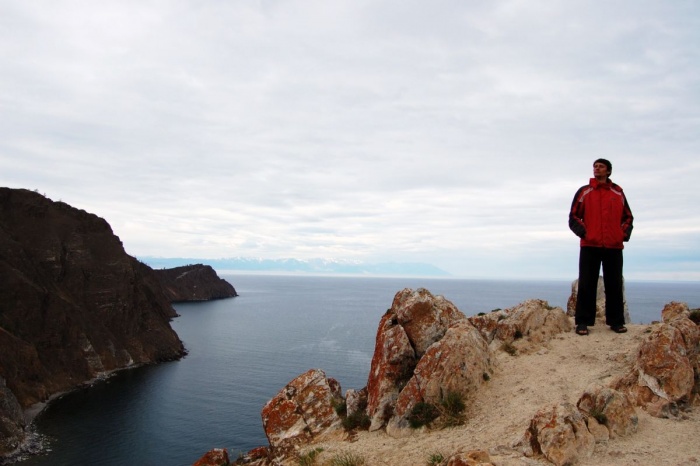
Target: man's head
(602, 168)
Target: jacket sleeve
(627, 219)
(576, 216)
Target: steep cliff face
(73, 304)
(196, 282)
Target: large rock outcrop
(666, 374)
(415, 321)
(426, 353)
(526, 326)
(196, 282)
(663, 378)
(458, 363)
(73, 304)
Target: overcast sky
(449, 132)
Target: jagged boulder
(470, 458)
(674, 310)
(215, 457)
(665, 375)
(302, 411)
(611, 409)
(424, 317)
(355, 401)
(599, 302)
(560, 434)
(458, 363)
(415, 321)
(528, 325)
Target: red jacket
(600, 215)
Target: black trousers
(589, 262)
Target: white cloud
(449, 132)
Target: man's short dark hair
(606, 163)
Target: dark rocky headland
(197, 282)
(74, 306)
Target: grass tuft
(347, 459)
(436, 459)
(309, 458)
(422, 414)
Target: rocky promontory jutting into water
(74, 306)
(510, 387)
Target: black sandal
(619, 329)
(581, 330)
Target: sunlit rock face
(215, 457)
(302, 411)
(666, 373)
(527, 325)
(458, 363)
(560, 434)
(415, 321)
(613, 410)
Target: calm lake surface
(242, 351)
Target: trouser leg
(612, 277)
(588, 270)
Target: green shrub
(452, 409)
(422, 414)
(436, 459)
(357, 420)
(486, 377)
(695, 316)
(347, 459)
(340, 407)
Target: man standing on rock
(601, 217)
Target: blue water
(242, 351)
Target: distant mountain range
(310, 266)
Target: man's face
(600, 170)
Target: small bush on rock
(695, 316)
(340, 407)
(357, 420)
(452, 409)
(422, 414)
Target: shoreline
(33, 411)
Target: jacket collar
(596, 184)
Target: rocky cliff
(196, 282)
(73, 305)
(530, 392)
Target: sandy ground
(559, 371)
